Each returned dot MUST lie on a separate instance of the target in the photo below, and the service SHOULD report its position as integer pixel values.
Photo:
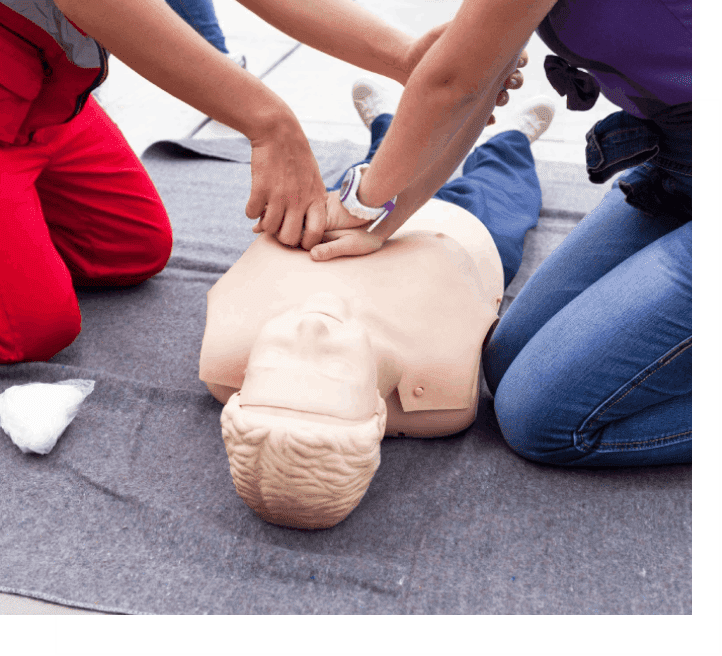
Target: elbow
(456, 82)
(467, 84)
(450, 93)
(461, 88)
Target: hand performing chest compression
(355, 235)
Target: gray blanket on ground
(134, 511)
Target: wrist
(349, 197)
(365, 194)
(271, 120)
(405, 61)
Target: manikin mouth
(326, 304)
(325, 314)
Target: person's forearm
(461, 68)
(153, 40)
(342, 29)
(430, 181)
(362, 241)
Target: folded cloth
(35, 415)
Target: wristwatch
(349, 198)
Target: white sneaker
(535, 117)
(371, 99)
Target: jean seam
(605, 164)
(585, 428)
(651, 442)
(671, 165)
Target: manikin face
(315, 358)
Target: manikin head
(303, 434)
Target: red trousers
(77, 208)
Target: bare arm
(342, 29)
(434, 177)
(358, 241)
(455, 75)
(155, 42)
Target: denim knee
(524, 429)
(530, 430)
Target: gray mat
(134, 511)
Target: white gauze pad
(35, 415)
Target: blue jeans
(499, 186)
(201, 16)
(592, 363)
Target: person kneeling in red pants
(77, 208)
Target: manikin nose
(313, 327)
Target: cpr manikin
(317, 361)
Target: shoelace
(365, 108)
(533, 120)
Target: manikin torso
(431, 292)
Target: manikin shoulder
(460, 231)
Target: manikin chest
(422, 290)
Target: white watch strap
(349, 199)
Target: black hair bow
(580, 88)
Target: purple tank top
(640, 51)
